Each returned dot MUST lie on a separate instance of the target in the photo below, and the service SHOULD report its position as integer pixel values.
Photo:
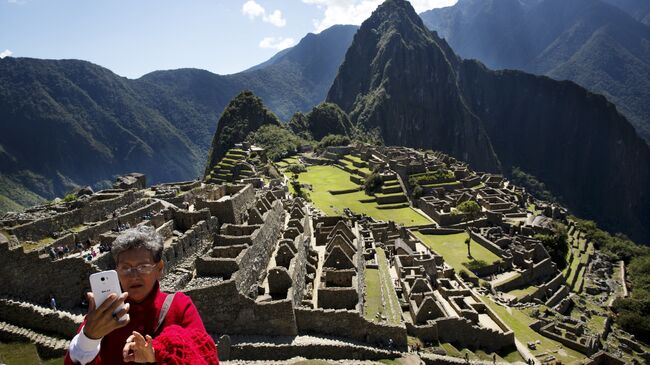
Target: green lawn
(34, 246)
(19, 353)
(453, 249)
(326, 178)
(519, 322)
(520, 293)
(353, 158)
(349, 164)
(393, 310)
(372, 301)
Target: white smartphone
(103, 284)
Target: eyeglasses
(140, 269)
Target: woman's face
(138, 272)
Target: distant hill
(639, 9)
(593, 43)
(65, 123)
(244, 114)
(405, 80)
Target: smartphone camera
(103, 278)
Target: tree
(278, 141)
(328, 118)
(469, 207)
(373, 183)
(467, 242)
(334, 140)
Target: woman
(136, 333)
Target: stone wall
(224, 310)
(348, 324)
(330, 351)
(196, 239)
(95, 210)
(41, 319)
(463, 332)
(232, 206)
(66, 279)
(489, 245)
(184, 219)
(252, 267)
(540, 270)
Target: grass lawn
(349, 164)
(19, 353)
(353, 158)
(393, 310)
(520, 293)
(453, 249)
(326, 178)
(33, 246)
(372, 301)
(519, 322)
(378, 284)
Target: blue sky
(135, 37)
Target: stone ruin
(282, 280)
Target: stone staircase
(50, 330)
(47, 346)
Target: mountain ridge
(591, 42)
(182, 105)
(551, 129)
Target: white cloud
(276, 19)
(5, 53)
(254, 10)
(424, 5)
(278, 43)
(356, 11)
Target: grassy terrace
(519, 322)
(394, 310)
(329, 178)
(452, 247)
(479, 355)
(380, 285)
(24, 354)
(520, 293)
(287, 161)
(34, 246)
(349, 164)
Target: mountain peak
(392, 77)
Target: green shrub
(373, 183)
(334, 140)
(417, 191)
(475, 264)
(296, 168)
(70, 197)
(469, 207)
(433, 177)
(278, 141)
(556, 245)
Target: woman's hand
(101, 321)
(138, 349)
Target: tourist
(93, 253)
(134, 334)
(52, 252)
(52, 302)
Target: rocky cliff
(402, 78)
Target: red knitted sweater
(182, 339)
